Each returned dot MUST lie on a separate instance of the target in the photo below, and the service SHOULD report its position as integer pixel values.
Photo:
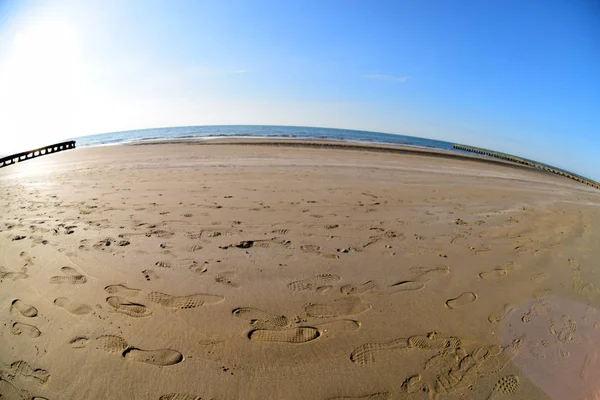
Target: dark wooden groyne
(42, 151)
(529, 163)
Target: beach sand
(227, 271)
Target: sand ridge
(228, 272)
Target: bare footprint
(227, 278)
(313, 282)
(73, 308)
(493, 274)
(261, 319)
(19, 328)
(162, 264)
(70, 276)
(406, 286)
(184, 302)
(359, 289)
(25, 310)
(150, 274)
(126, 307)
(337, 308)
(462, 300)
(496, 317)
(122, 290)
(293, 335)
(372, 396)
(506, 386)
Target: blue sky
(516, 76)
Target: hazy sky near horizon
(517, 76)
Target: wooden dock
(42, 151)
(529, 163)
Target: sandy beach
(227, 271)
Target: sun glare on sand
(38, 85)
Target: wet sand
(229, 271)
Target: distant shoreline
(336, 145)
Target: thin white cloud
(389, 78)
(241, 71)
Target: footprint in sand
(11, 392)
(337, 308)
(126, 307)
(565, 330)
(73, 308)
(445, 360)
(372, 352)
(179, 396)
(462, 300)
(406, 286)
(433, 341)
(162, 357)
(412, 384)
(184, 302)
(313, 248)
(372, 396)
(28, 260)
(264, 243)
(261, 319)
(12, 276)
(122, 290)
(70, 276)
(116, 344)
(293, 335)
(25, 310)
(369, 353)
(331, 329)
(493, 274)
(22, 368)
(313, 283)
(162, 264)
(323, 289)
(227, 278)
(19, 328)
(150, 274)
(496, 317)
(426, 274)
(497, 361)
(506, 386)
(539, 277)
(359, 289)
